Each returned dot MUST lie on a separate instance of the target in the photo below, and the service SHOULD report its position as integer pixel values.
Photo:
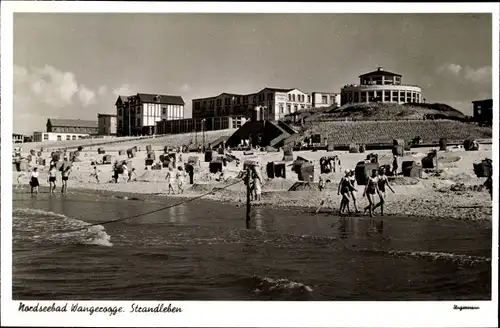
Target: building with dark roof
(138, 114)
(71, 126)
(380, 86)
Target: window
(58, 138)
(324, 99)
(138, 110)
(387, 95)
(164, 109)
(295, 108)
(120, 112)
(74, 137)
(289, 97)
(293, 97)
(308, 98)
(45, 136)
(281, 109)
(138, 122)
(288, 108)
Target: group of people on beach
(34, 176)
(254, 180)
(375, 186)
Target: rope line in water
(151, 212)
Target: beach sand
(429, 197)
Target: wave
(41, 226)
(266, 285)
(460, 259)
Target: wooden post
(247, 179)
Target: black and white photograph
(265, 156)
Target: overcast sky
(75, 65)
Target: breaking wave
(42, 227)
(460, 259)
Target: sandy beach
(453, 193)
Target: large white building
(57, 136)
(381, 86)
(138, 114)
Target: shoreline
(431, 205)
(450, 193)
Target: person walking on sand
(34, 180)
(51, 178)
(171, 180)
(352, 189)
(95, 174)
(181, 177)
(371, 189)
(382, 181)
(65, 177)
(395, 166)
(344, 190)
(132, 176)
(125, 172)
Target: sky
(69, 65)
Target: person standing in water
(65, 176)
(371, 189)
(34, 180)
(171, 180)
(352, 193)
(382, 181)
(344, 190)
(52, 178)
(257, 182)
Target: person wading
(344, 190)
(52, 178)
(257, 182)
(352, 180)
(382, 181)
(34, 180)
(371, 189)
(65, 177)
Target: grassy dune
(343, 133)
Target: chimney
(380, 68)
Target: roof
(106, 115)
(163, 99)
(482, 101)
(72, 123)
(380, 71)
(277, 89)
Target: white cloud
(451, 68)
(50, 86)
(124, 90)
(479, 75)
(87, 97)
(102, 91)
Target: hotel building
(138, 114)
(267, 104)
(380, 86)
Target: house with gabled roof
(138, 114)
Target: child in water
(181, 175)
